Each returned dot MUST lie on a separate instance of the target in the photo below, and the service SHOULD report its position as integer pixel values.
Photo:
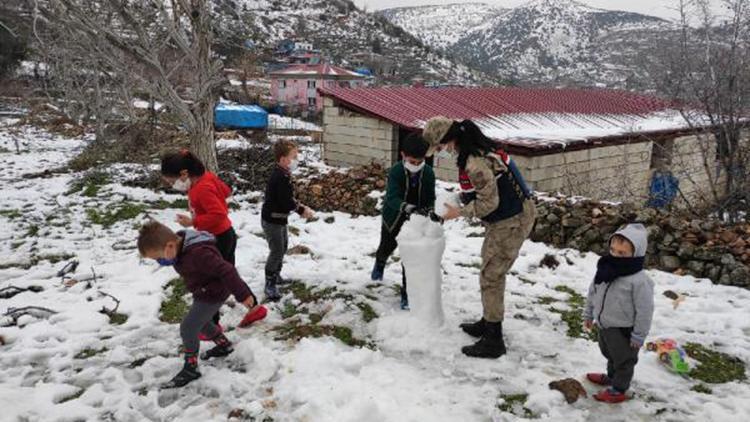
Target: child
(621, 303)
(207, 196)
(411, 188)
(208, 277)
(279, 202)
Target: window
(344, 84)
(311, 84)
(312, 102)
(661, 154)
(282, 84)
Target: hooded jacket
(208, 204)
(626, 301)
(207, 275)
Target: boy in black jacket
(279, 203)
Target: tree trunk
(202, 136)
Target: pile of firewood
(346, 191)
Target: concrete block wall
(351, 139)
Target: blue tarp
(237, 116)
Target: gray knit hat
(434, 132)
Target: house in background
(306, 58)
(377, 64)
(603, 144)
(297, 85)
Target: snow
(276, 121)
(145, 104)
(421, 243)
(409, 375)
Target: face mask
(181, 185)
(164, 262)
(412, 168)
(444, 154)
(293, 165)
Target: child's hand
(308, 213)
(588, 324)
(635, 344)
(451, 212)
(249, 302)
(184, 220)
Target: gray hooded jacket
(626, 301)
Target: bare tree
(163, 46)
(706, 67)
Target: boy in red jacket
(210, 279)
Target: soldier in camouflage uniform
(492, 190)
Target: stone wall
(677, 244)
(351, 139)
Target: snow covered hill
(340, 30)
(558, 41)
(336, 348)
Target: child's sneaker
(252, 316)
(599, 379)
(272, 292)
(218, 351)
(188, 374)
(377, 271)
(203, 337)
(610, 395)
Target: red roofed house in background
(297, 85)
(603, 144)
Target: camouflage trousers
(502, 241)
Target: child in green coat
(411, 188)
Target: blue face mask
(164, 262)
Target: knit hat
(434, 132)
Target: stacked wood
(347, 191)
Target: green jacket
(395, 194)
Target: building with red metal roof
(593, 142)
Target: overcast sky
(659, 8)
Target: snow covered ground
(76, 365)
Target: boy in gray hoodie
(621, 303)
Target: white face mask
(181, 185)
(412, 168)
(293, 165)
(444, 154)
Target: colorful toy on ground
(670, 354)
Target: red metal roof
(525, 116)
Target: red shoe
(599, 379)
(610, 395)
(201, 337)
(253, 316)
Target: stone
(570, 222)
(299, 250)
(596, 212)
(728, 260)
(670, 294)
(713, 272)
(686, 250)
(553, 218)
(696, 267)
(740, 276)
(669, 262)
(728, 236)
(706, 254)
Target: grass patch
(476, 265)
(89, 352)
(546, 300)
(174, 308)
(11, 214)
(368, 314)
(137, 363)
(714, 367)
(108, 218)
(289, 310)
(55, 258)
(702, 388)
(295, 331)
(573, 317)
(117, 318)
(89, 184)
(307, 294)
(163, 204)
(32, 231)
(514, 403)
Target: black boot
(188, 373)
(223, 348)
(271, 291)
(475, 329)
(491, 344)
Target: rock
(570, 222)
(705, 254)
(669, 262)
(316, 190)
(571, 389)
(696, 267)
(670, 294)
(740, 276)
(690, 238)
(299, 250)
(686, 250)
(330, 220)
(2, 341)
(553, 218)
(728, 236)
(728, 260)
(596, 212)
(713, 272)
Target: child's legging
(199, 320)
